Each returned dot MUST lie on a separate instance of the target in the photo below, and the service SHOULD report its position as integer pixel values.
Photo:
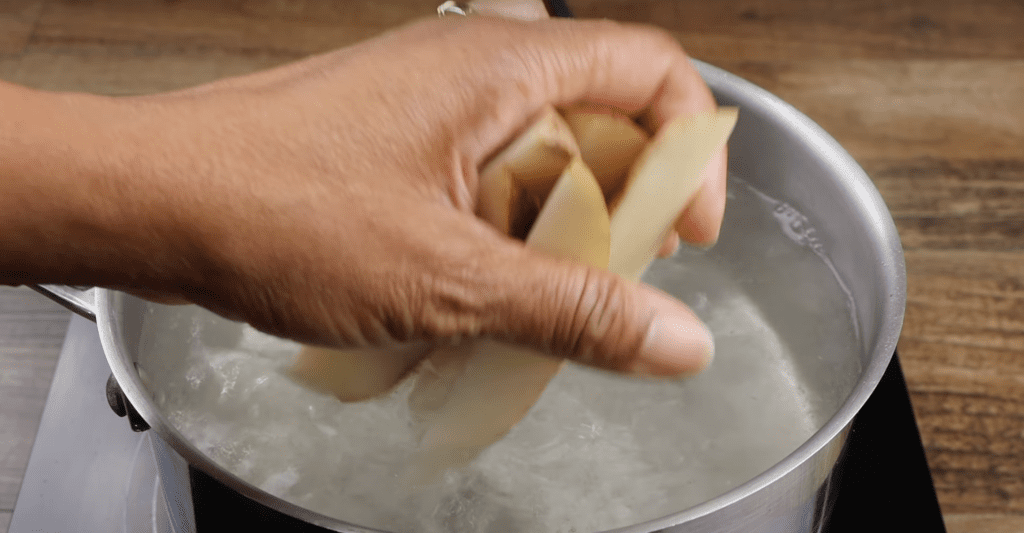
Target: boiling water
(597, 452)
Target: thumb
(599, 319)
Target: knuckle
(443, 305)
(603, 330)
(440, 292)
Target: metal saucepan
(776, 149)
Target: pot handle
(81, 300)
(119, 403)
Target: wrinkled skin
(332, 200)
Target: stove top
(89, 473)
(883, 481)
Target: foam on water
(598, 451)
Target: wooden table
(927, 95)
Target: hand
(701, 221)
(332, 200)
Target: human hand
(332, 200)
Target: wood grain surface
(982, 523)
(925, 94)
(796, 30)
(17, 20)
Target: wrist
(84, 204)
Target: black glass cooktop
(883, 482)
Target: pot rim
(825, 147)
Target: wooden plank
(721, 30)
(897, 109)
(128, 69)
(765, 30)
(31, 335)
(961, 349)
(296, 26)
(875, 108)
(954, 188)
(885, 108)
(954, 203)
(981, 232)
(983, 523)
(17, 19)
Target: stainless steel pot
(775, 148)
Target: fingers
(680, 92)
(640, 70)
(683, 92)
(596, 318)
(636, 69)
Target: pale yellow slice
(495, 384)
(469, 396)
(519, 177)
(609, 142)
(355, 374)
(574, 222)
(661, 183)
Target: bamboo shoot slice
(609, 143)
(526, 170)
(574, 222)
(472, 395)
(662, 181)
(456, 424)
(356, 374)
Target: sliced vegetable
(517, 180)
(540, 187)
(661, 183)
(356, 374)
(609, 142)
(468, 397)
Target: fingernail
(677, 343)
